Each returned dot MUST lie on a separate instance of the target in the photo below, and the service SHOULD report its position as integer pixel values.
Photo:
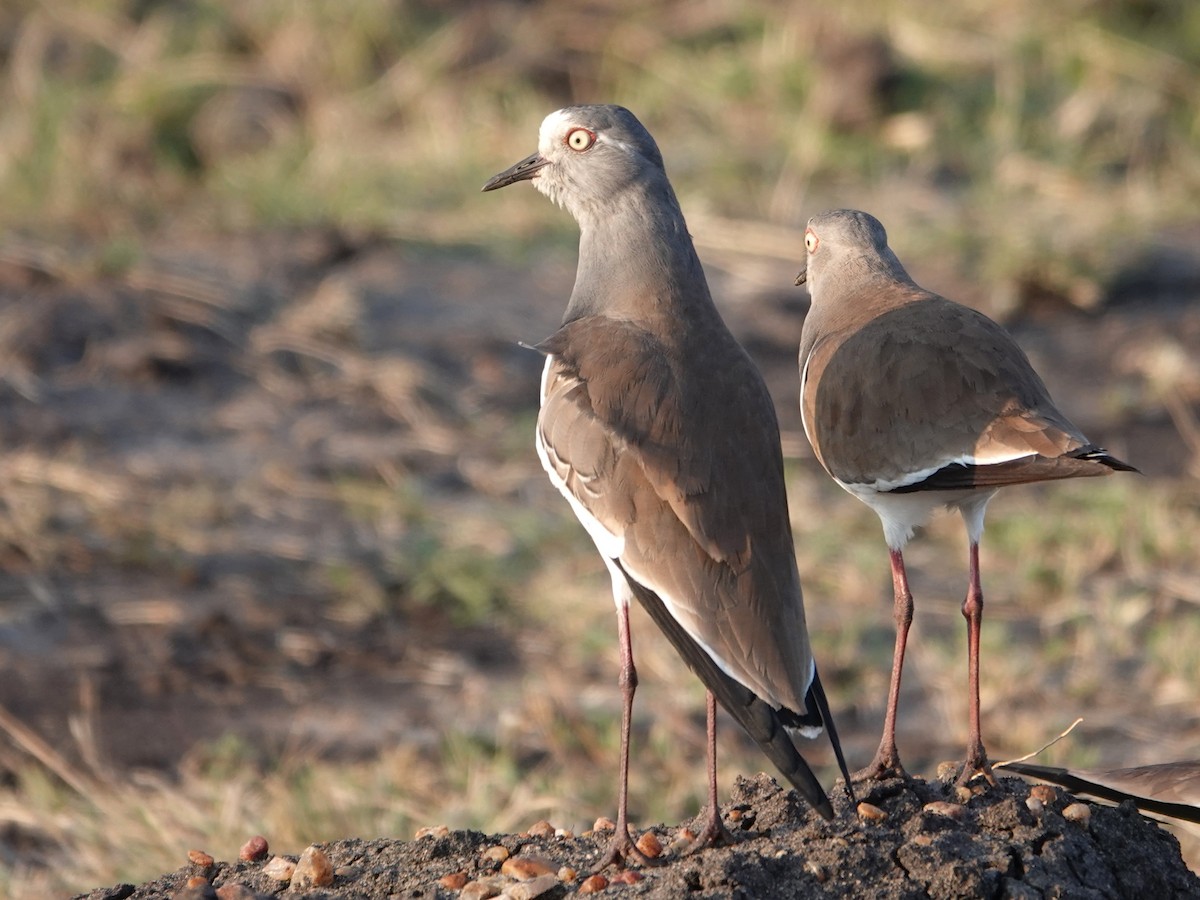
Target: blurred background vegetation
(252, 400)
(1034, 146)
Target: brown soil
(996, 848)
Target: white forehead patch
(552, 126)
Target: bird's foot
(885, 765)
(713, 834)
(621, 851)
(976, 764)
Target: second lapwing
(912, 402)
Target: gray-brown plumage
(911, 402)
(659, 431)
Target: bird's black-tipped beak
(522, 171)
(800, 279)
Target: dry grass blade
(31, 467)
(36, 747)
(1041, 749)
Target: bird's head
(586, 156)
(835, 240)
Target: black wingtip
(1102, 456)
(1078, 783)
(755, 715)
(817, 692)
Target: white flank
(902, 514)
(610, 545)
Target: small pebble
(432, 831)
(922, 840)
(455, 881)
(943, 808)
(496, 853)
(535, 887)
(541, 829)
(523, 868)
(735, 814)
(650, 845)
(963, 793)
(1044, 792)
(626, 876)
(1080, 813)
(254, 849)
(567, 874)
(816, 870)
(683, 840)
(313, 870)
(604, 823)
(235, 891)
(199, 891)
(1036, 806)
(948, 769)
(480, 890)
(564, 833)
(347, 872)
(871, 812)
(279, 869)
(593, 884)
(197, 881)
(200, 858)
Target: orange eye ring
(580, 139)
(811, 241)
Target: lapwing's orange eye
(580, 139)
(810, 241)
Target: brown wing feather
(898, 396)
(688, 470)
(698, 440)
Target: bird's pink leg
(976, 762)
(622, 848)
(886, 763)
(714, 833)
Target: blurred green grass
(1031, 144)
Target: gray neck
(636, 260)
(864, 269)
(839, 302)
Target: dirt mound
(921, 842)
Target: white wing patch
(999, 455)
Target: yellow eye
(810, 241)
(580, 139)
